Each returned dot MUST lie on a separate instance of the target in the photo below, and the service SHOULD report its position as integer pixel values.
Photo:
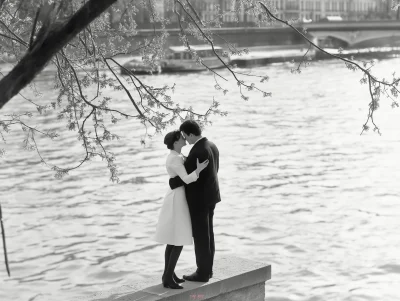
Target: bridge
(353, 33)
(350, 33)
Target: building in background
(304, 10)
(351, 10)
(121, 11)
(318, 10)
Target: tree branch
(3, 234)
(350, 64)
(43, 50)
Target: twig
(3, 234)
(302, 60)
(34, 28)
(126, 90)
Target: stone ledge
(234, 279)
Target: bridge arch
(355, 37)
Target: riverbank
(264, 55)
(260, 56)
(361, 53)
(234, 279)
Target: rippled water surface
(301, 190)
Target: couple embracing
(187, 212)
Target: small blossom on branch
(60, 173)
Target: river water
(301, 190)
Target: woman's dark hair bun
(171, 138)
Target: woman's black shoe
(177, 280)
(172, 285)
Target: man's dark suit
(202, 196)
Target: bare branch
(12, 39)
(18, 39)
(126, 90)
(302, 61)
(35, 60)
(34, 28)
(3, 235)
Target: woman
(174, 226)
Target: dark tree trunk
(45, 48)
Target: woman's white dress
(174, 226)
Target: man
(201, 196)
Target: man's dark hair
(171, 138)
(190, 127)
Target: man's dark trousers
(203, 237)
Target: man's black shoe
(196, 277)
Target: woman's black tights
(172, 254)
